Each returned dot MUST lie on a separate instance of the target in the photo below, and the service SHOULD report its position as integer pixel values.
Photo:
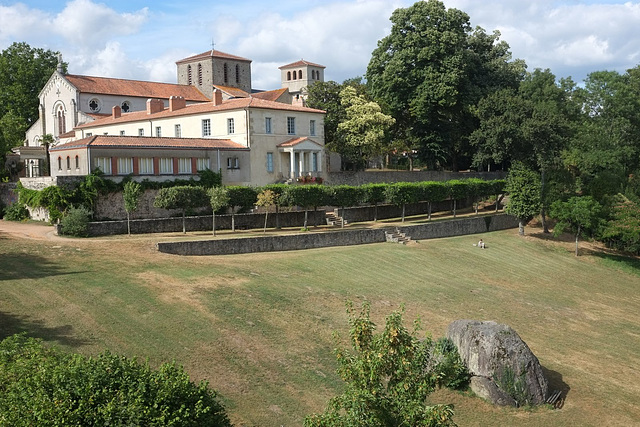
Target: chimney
(176, 103)
(154, 106)
(116, 111)
(217, 97)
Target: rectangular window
(104, 164)
(166, 166)
(140, 132)
(89, 134)
(267, 125)
(178, 131)
(314, 162)
(206, 127)
(105, 133)
(203, 164)
(269, 162)
(145, 166)
(312, 127)
(291, 125)
(184, 165)
(230, 126)
(159, 131)
(77, 162)
(125, 165)
(121, 133)
(233, 163)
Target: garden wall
(313, 240)
(385, 177)
(8, 195)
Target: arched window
(68, 162)
(77, 162)
(200, 74)
(300, 74)
(237, 74)
(59, 163)
(225, 70)
(62, 126)
(189, 81)
(295, 75)
(288, 75)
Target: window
(145, 166)
(267, 125)
(230, 126)
(237, 74)
(178, 131)
(159, 131)
(94, 105)
(314, 162)
(312, 127)
(166, 166)
(68, 163)
(121, 133)
(206, 127)
(59, 163)
(184, 165)
(62, 126)
(233, 163)
(295, 76)
(288, 75)
(89, 134)
(105, 133)
(291, 125)
(126, 106)
(225, 71)
(125, 165)
(200, 74)
(269, 162)
(140, 132)
(104, 164)
(300, 74)
(77, 162)
(203, 164)
(189, 81)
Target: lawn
(259, 327)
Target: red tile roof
(206, 107)
(232, 91)
(208, 54)
(295, 141)
(137, 88)
(270, 95)
(113, 141)
(301, 63)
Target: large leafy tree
(24, 70)
(523, 186)
(579, 214)
(431, 71)
(183, 197)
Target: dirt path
(29, 230)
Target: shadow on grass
(25, 266)
(556, 384)
(11, 324)
(626, 263)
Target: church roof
(137, 88)
(113, 141)
(270, 95)
(215, 54)
(301, 63)
(205, 107)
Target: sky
(143, 39)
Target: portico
(305, 157)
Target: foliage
(266, 199)
(449, 368)
(514, 384)
(622, 232)
(131, 194)
(305, 196)
(344, 195)
(579, 214)
(43, 386)
(523, 186)
(181, 197)
(386, 380)
(218, 198)
(75, 222)
(209, 178)
(403, 193)
(240, 197)
(16, 212)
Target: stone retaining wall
(475, 225)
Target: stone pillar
(292, 164)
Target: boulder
(503, 369)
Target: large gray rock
(503, 368)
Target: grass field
(258, 326)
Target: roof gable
(302, 143)
(301, 63)
(212, 54)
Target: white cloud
(18, 22)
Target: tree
(45, 386)
(181, 197)
(431, 71)
(278, 191)
(365, 125)
(131, 194)
(523, 186)
(622, 231)
(240, 197)
(374, 194)
(266, 199)
(403, 193)
(387, 378)
(458, 189)
(23, 73)
(580, 214)
(345, 195)
(218, 198)
(305, 196)
(433, 191)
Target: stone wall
(367, 213)
(8, 194)
(366, 177)
(433, 230)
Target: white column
(292, 164)
(301, 163)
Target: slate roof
(216, 54)
(301, 63)
(136, 88)
(114, 141)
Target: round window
(125, 107)
(94, 105)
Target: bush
(43, 386)
(449, 368)
(16, 212)
(76, 222)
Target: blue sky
(142, 40)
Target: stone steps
(397, 237)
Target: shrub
(76, 222)
(16, 212)
(449, 368)
(44, 386)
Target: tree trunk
(342, 222)
(577, 235)
(233, 220)
(455, 204)
(403, 205)
(375, 212)
(265, 221)
(476, 204)
(305, 219)
(184, 228)
(214, 222)
(521, 227)
(543, 214)
(429, 211)
(277, 217)
(128, 224)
